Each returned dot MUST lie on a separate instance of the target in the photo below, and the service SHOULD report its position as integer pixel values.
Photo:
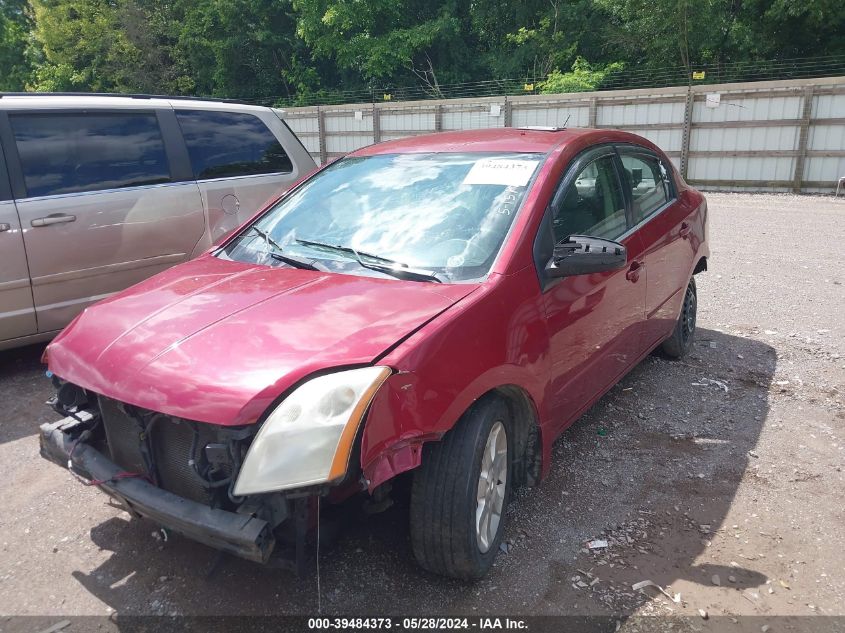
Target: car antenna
(567, 120)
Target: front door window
(593, 204)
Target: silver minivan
(100, 192)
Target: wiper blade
(387, 265)
(348, 249)
(276, 252)
(411, 274)
(297, 262)
(269, 241)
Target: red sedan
(445, 305)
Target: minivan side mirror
(582, 254)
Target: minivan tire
(445, 507)
(681, 342)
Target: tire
(680, 343)
(445, 536)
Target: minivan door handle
(685, 229)
(55, 218)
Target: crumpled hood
(217, 341)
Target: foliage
(297, 50)
(583, 77)
(15, 26)
(84, 46)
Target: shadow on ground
(662, 454)
(23, 390)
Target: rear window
(226, 144)
(70, 152)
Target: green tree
(241, 48)
(529, 39)
(791, 28)
(672, 33)
(84, 47)
(582, 78)
(15, 63)
(383, 40)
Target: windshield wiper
(386, 265)
(276, 252)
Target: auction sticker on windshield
(501, 171)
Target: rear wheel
(460, 494)
(680, 343)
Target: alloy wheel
(689, 314)
(492, 486)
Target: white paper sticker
(359, 115)
(495, 109)
(713, 100)
(501, 171)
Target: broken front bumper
(242, 535)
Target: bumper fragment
(241, 535)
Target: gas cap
(230, 203)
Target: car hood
(218, 341)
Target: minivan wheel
(680, 343)
(460, 493)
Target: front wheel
(680, 343)
(460, 494)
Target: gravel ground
(719, 478)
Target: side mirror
(582, 254)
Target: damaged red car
(442, 306)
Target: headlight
(308, 438)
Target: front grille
(123, 434)
(171, 440)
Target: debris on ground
(706, 382)
(676, 598)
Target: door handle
(55, 218)
(685, 229)
(634, 271)
(5, 227)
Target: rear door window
(648, 181)
(70, 152)
(227, 144)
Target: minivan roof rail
(116, 94)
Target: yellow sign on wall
(528, 87)
(698, 74)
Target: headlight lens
(308, 438)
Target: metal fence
(761, 136)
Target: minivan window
(71, 152)
(648, 183)
(226, 144)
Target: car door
(662, 221)
(104, 202)
(17, 313)
(238, 162)
(595, 321)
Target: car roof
(53, 101)
(530, 140)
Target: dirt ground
(719, 478)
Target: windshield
(437, 217)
